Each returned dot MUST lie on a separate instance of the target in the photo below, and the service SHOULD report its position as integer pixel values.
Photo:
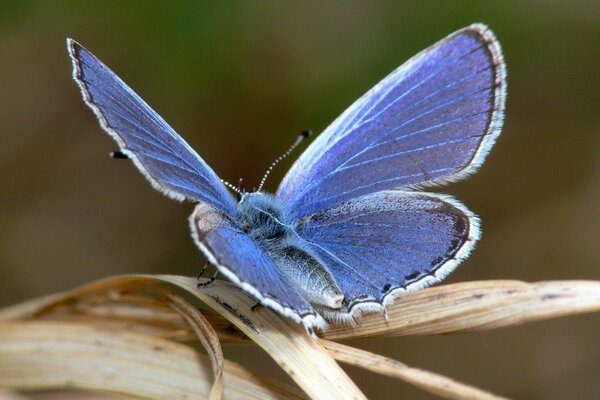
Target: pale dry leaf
(287, 342)
(428, 381)
(38, 355)
(6, 395)
(474, 306)
(444, 309)
(207, 337)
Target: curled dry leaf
(287, 342)
(290, 345)
(130, 302)
(6, 395)
(208, 338)
(473, 306)
(428, 381)
(45, 355)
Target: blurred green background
(239, 80)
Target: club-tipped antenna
(298, 140)
(118, 154)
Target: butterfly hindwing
(164, 158)
(431, 121)
(241, 260)
(390, 241)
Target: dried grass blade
(473, 306)
(287, 342)
(207, 337)
(428, 381)
(6, 395)
(101, 291)
(50, 355)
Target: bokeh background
(239, 81)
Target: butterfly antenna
(118, 154)
(232, 187)
(298, 140)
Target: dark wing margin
(241, 260)
(163, 157)
(431, 121)
(381, 244)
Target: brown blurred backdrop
(239, 81)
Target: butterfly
(348, 229)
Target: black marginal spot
(455, 243)
(386, 287)
(412, 276)
(461, 224)
(437, 261)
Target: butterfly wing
(162, 156)
(242, 261)
(390, 241)
(431, 121)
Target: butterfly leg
(211, 280)
(202, 271)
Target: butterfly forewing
(431, 121)
(166, 160)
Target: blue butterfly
(348, 228)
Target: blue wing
(390, 241)
(431, 121)
(164, 158)
(242, 261)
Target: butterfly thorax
(265, 219)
